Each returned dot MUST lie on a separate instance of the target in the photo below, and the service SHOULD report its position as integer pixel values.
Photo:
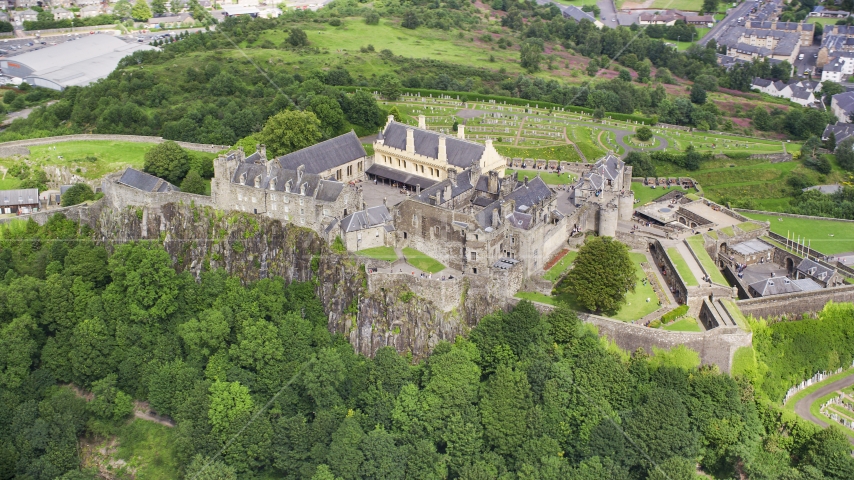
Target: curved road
(802, 408)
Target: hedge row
(674, 314)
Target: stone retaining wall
(14, 146)
(792, 215)
(795, 304)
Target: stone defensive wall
(16, 147)
(121, 196)
(83, 213)
(794, 305)
(793, 215)
(673, 280)
(716, 347)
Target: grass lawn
(379, 253)
(421, 261)
(647, 194)
(682, 267)
(560, 267)
(817, 231)
(148, 447)
(686, 324)
(549, 178)
(748, 226)
(823, 21)
(696, 244)
(565, 153)
(89, 159)
(536, 297)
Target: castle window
(239, 196)
(437, 230)
(273, 198)
(254, 200)
(431, 171)
(422, 168)
(300, 201)
(287, 217)
(360, 167)
(473, 256)
(287, 209)
(404, 164)
(338, 174)
(326, 211)
(302, 211)
(286, 199)
(474, 270)
(274, 207)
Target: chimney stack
(262, 150)
(452, 173)
(418, 189)
(385, 202)
(422, 122)
(410, 140)
(461, 132)
(443, 150)
(390, 119)
(492, 182)
(526, 180)
(495, 218)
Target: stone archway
(723, 248)
(683, 221)
(693, 224)
(790, 265)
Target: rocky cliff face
(253, 247)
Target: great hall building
(416, 158)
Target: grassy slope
(379, 253)
(696, 244)
(149, 447)
(687, 324)
(422, 261)
(682, 267)
(817, 231)
(560, 267)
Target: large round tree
(289, 131)
(168, 161)
(601, 276)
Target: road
(608, 12)
(802, 408)
(731, 20)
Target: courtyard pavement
(374, 194)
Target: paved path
(607, 12)
(689, 259)
(519, 132)
(802, 408)
(566, 137)
(718, 30)
(622, 134)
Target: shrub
(677, 312)
(78, 193)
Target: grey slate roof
(281, 179)
(325, 155)
(400, 176)
(840, 130)
(751, 247)
(463, 185)
(761, 82)
(845, 101)
(576, 14)
(64, 188)
(23, 196)
(606, 168)
(363, 219)
(814, 269)
(778, 286)
(461, 153)
(800, 92)
(145, 182)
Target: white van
(801, 56)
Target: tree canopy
(167, 160)
(601, 275)
(289, 131)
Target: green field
(422, 261)
(686, 324)
(89, 159)
(823, 21)
(818, 232)
(536, 297)
(380, 253)
(696, 244)
(560, 267)
(682, 267)
(149, 448)
(645, 194)
(549, 178)
(689, 5)
(564, 153)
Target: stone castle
(461, 208)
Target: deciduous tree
(289, 131)
(602, 274)
(168, 161)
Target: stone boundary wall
(773, 157)
(716, 347)
(200, 147)
(792, 215)
(110, 26)
(843, 269)
(121, 196)
(81, 213)
(795, 304)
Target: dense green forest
(259, 387)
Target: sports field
(826, 236)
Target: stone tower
(608, 215)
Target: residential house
(87, 3)
(840, 130)
(62, 14)
(820, 11)
(821, 274)
(781, 286)
(90, 11)
(842, 105)
(801, 92)
(27, 16)
(579, 15)
(172, 21)
(20, 201)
